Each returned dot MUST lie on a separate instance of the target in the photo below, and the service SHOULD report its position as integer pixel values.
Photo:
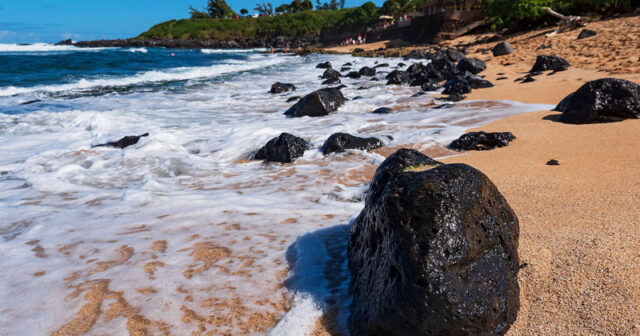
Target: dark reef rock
(586, 33)
(367, 71)
(332, 80)
(502, 48)
(454, 97)
(433, 252)
(482, 141)
(473, 65)
(325, 65)
(553, 163)
(354, 74)
(465, 83)
(398, 77)
(282, 87)
(284, 149)
(330, 73)
(430, 85)
(318, 103)
(602, 100)
(418, 94)
(343, 69)
(127, 141)
(382, 65)
(550, 62)
(294, 98)
(339, 142)
(382, 110)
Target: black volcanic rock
(284, 148)
(454, 97)
(398, 77)
(367, 71)
(602, 100)
(433, 252)
(482, 141)
(282, 87)
(502, 48)
(586, 33)
(382, 110)
(127, 141)
(473, 65)
(430, 85)
(330, 73)
(339, 142)
(294, 98)
(354, 74)
(464, 83)
(550, 62)
(332, 80)
(325, 65)
(318, 103)
(381, 65)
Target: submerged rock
(602, 100)
(294, 98)
(284, 148)
(430, 85)
(382, 110)
(550, 62)
(381, 65)
(433, 252)
(502, 48)
(473, 65)
(339, 142)
(318, 103)
(127, 141)
(354, 74)
(282, 87)
(325, 65)
(482, 141)
(332, 80)
(367, 71)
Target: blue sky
(28, 21)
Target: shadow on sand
(319, 279)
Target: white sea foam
(227, 51)
(138, 50)
(39, 47)
(174, 74)
(67, 209)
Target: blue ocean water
(182, 221)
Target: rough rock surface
(464, 83)
(367, 71)
(325, 65)
(502, 48)
(330, 73)
(127, 141)
(278, 87)
(550, 62)
(482, 141)
(339, 142)
(602, 100)
(284, 148)
(586, 33)
(433, 252)
(318, 103)
(473, 65)
(398, 77)
(332, 80)
(354, 74)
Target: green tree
(398, 8)
(219, 9)
(244, 11)
(196, 14)
(334, 5)
(307, 5)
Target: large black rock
(318, 103)
(367, 71)
(284, 148)
(354, 74)
(502, 48)
(602, 100)
(473, 65)
(482, 141)
(330, 73)
(126, 141)
(339, 142)
(398, 77)
(325, 65)
(464, 83)
(282, 87)
(550, 62)
(433, 252)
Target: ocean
(181, 233)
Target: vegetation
(219, 9)
(290, 24)
(524, 13)
(398, 8)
